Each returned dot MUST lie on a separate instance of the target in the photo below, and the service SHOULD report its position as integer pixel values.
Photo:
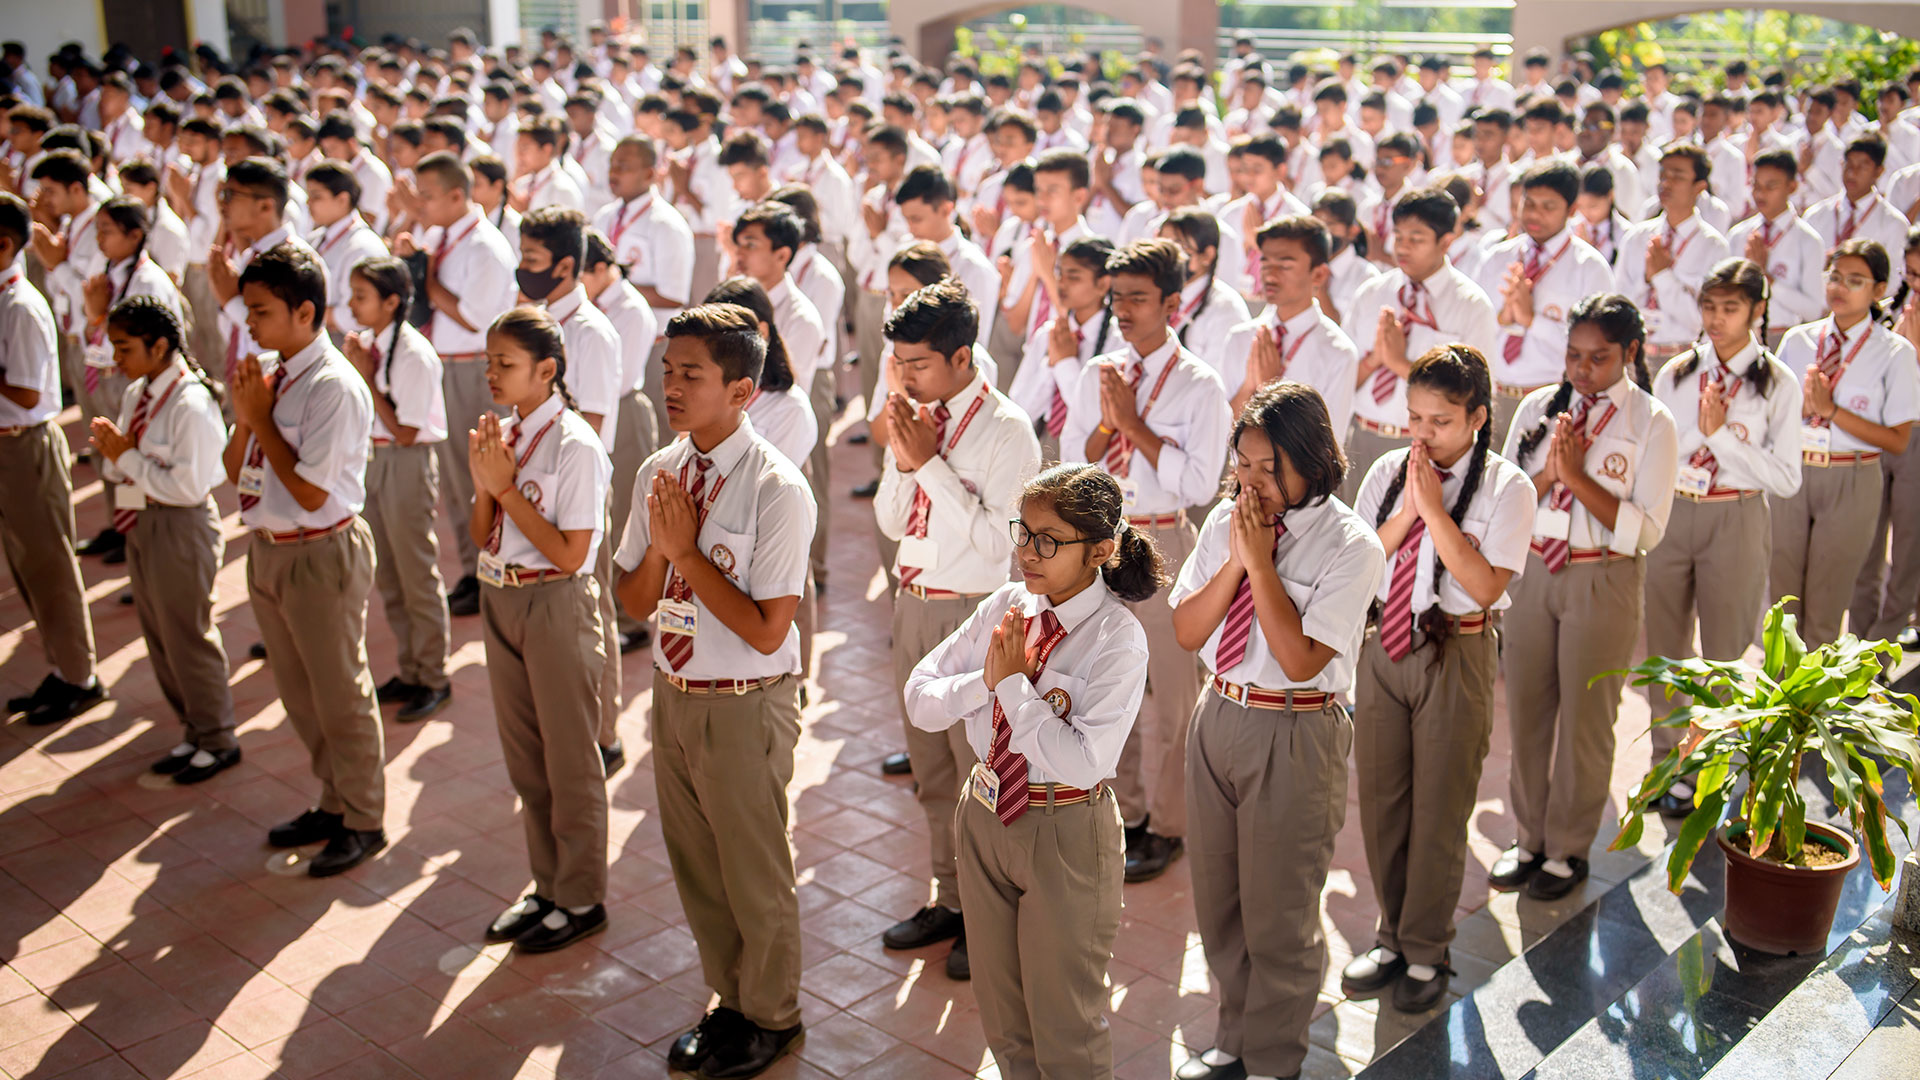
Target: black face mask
(536, 285)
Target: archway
(928, 25)
(1549, 24)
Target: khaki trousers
(609, 658)
(1562, 630)
(1821, 536)
(1268, 791)
(706, 268)
(104, 400)
(1710, 566)
(543, 662)
(1504, 407)
(941, 759)
(1888, 589)
(209, 344)
(1363, 449)
(1420, 733)
(173, 554)
(819, 474)
(36, 530)
(869, 316)
(310, 600)
(464, 384)
(633, 443)
(1159, 734)
(1043, 907)
(403, 487)
(721, 766)
(1008, 344)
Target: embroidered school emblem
(1779, 270)
(1858, 404)
(1058, 700)
(530, 491)
(1553, 313)
(1739, 430)
(723, 559)
(1614, 467)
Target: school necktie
(1832, 349)
(1057, 410)
(1280, 346)
(1396, 621)
(678, 648)
(1853, 222)
(918, 517)
(499, 512)
(256, 454)
(1515, 342)
(1010, 767)
(125, 520)
(1119, 459)
(1042, 303)
(1703, 458)
(1238, 627)
(1416, 309)
(1556, 553)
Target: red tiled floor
(147, 935)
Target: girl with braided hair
(161, 461)
(1209, 308)
(1600, 450)
(1457, 518)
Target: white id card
(492, 569)
(985, 786)
(678, 617)
(1693, 480)
(919, 552)
(129, 497)
(1816, 440)
(1553, 524)
(1129, 490)
(253, 480)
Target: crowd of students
(1228, 426)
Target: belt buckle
(740, 688)
(1234, 692)
(1819, 459)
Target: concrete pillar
(727, 18)
(503, 23)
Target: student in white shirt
(1044, 680)
(70, 256)
(719, 551)
(1862, 395)
(1736, 410)
(1783, 245)
(1209, 308)
(1293, 338)
(1539, 276)
(403, 481)
(540, 180)
(1156, 416)
(1458, 519)
(120, 228)
(340, 236)
(1274, 599)
(1889, 584)
(1263, 171)
(490, 193)
(957, 452)
(340, 141)
(298, 455)
(1049, 372)
(540, 516)
(1663, 260)
(166, 233)
(253, 212)
(880, 232)
(589, 149)
(1600, 449)
(700, 187)
(36, 505)
(926, 201)
(1350, 267)
(1859, 210)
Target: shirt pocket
(540, 488)
(1614, 461)
(1064, 694)
(731, 552)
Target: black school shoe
(928, 926)
(958, 968)
(1411, 995)
(1363, 975)
(692, 1048)
(396, 690)
(612, 757)
(523, 916)
(199, 770)
(1154, 855)
(543, 938)
(312, 827)
(1549, 886)
(427, 701)
(177, 758)
(26, 702)
(1673, 807)
(751, 1053)
(105, 542)
(64, 701)
(347, 849)
(1510, 871)
(896, 765)
(465, 597)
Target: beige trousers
(633, 443)
(1008, 345)
(1711, 565)
(869, 317)
(819, 473)
(464, 384)
(310, 600)
(609, 657)
(1268, 790)
(209, 344)
(1821, 536)
(721, 766)
(173, 554)
(941, 759)
(1420, 733)
(1363, 449)
(403, 487)
(706, 268)
(1043, 906)
(1562, 630)
(543, 662)
(36, 530)
(1159, 734)
(1888, 589)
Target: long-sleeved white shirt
(1189, 413)
(1796, 258)
(1669, 301)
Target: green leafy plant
(1755, 726)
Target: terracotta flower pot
(1785, 910)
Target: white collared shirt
(565, 478)
(1696, 247)
(1191, 416)
(127, 279)
(1874, 219)
(978, 274)
(1237, 267)
(1882, 384)
(325, 413)
(1758, 447)
(707, 180)
(1350, 271)
(1330, 561)
(29, 349)
(167, 240)
(594, 363)
(636, 328)
(801, 329)
(342, 246)
(410, 379)
(477, 269)
(1635, 458)
(758, 530)
(205, 204)
(1794, 265)
(1461, 309)
(1036, 381)
(786, 420)
(1498, 522)
(654, 242)
(819, 282)
(1206, 331)
(974, 489)
(177, 460)
(376, 183)
(234, 312)
(868, 254)
(834, 191)
(1022, 259)
(1325, 358)
(1577, 271)
(1100, 667)
(552, 185)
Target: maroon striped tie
(1119, 457)
(1396, 622)
(1237, 630)
(1010, 767)
(124, 520)
(919, 517)
(678, 648)
(1557, 553)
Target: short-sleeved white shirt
(325, 412)
(1498, 522)
(565, 478)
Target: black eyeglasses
(1043, 545)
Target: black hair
(1066, 160)
(1899, 299)
(1093, 252)
(562, 230)
(1160, 261)
(1870, 144)
(777, 220)
(390, 277)
(535, 330)
(152, 319)
(64, 167)
(743, 148)
(1735, 275)
(1294, 417)
(1309, 232)
(262, 176)
(732, 337)
(800, 199)
(923, 260)
(452, 173)
(337, 179)
(1557, 175)
(1087, 498)
(293, 275)
(1431, 206)
(131, 215)
(776, 371)
(926, 183)
(1696, 155)
(1202, 229)
(1183, 161)
(940, 316)
(1620, 323)
(1879, 264)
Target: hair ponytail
(1087, 497)
(1137, 569)
(150, 319)
(1619, 321)
(538, 334)
(129, 215)
(390, 277)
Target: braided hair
(1891, 314)
(535, 330)
(1619, 322)
(1202, 230)
(390, 277)
(1459, 374)
(151, 319)
(1747, 280)
(128, 214)
(1087, 497)
(1092, 252)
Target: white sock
(1521, 854)
(200, 759)
(1216, 1058)
(1382, 956)
(1557, 867)
(581, 910)
(1257, 1076)
(555, 919)
(1422, 972)
(182, 750)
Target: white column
(503, 23)
(207, 23)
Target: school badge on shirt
(530, 491)
(1059, 701)
(722, 558)
(1614, 467)
(1739, 430)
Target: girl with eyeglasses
(1047, 675)
(1861, 395)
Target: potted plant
(1748, 730)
